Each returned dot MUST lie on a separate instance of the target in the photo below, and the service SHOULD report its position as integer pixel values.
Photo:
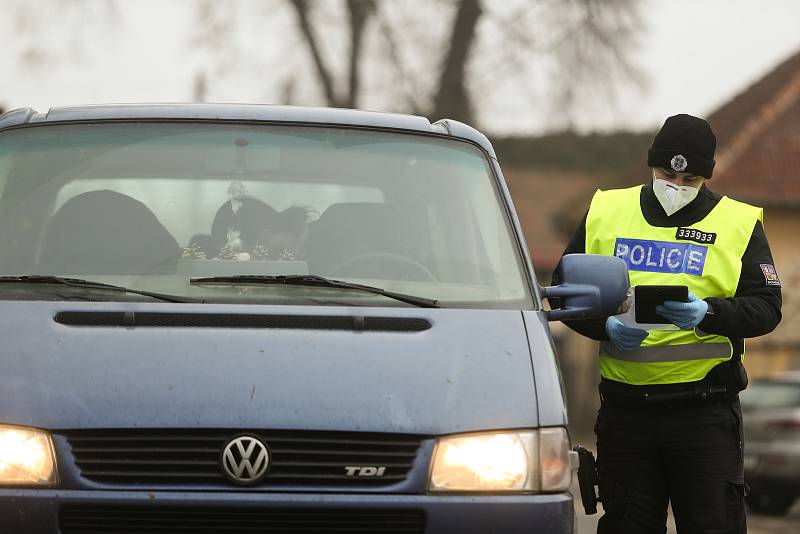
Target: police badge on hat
(678, 163)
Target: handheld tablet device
(648, 297)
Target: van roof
(246, 112)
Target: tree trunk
(359, 12)
(452, 98)
(325, 78)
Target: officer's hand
(686, 315)
(624, 337)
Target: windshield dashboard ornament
(245, 460)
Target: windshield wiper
(316, 281)
(88, 284)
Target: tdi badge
(688, 234)
(770, 274)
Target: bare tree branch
(593, 54)
(452, 99)
(404, 77)
(573, 49)
(74, 28)
(199, 89)
(323, 71)
(359, 11)
(288, 90)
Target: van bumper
(37, 511)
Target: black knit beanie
(684, 144)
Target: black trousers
(689, 454)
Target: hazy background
(532, 66)
(569, 91)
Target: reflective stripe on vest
(706, 257)
(668, 353)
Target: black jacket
(755, 309)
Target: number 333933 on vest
(698, 236)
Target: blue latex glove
(685, 315)
(624, 337)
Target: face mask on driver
(672, 197)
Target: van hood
(468, 370)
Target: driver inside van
(285, 236)
(277, 237)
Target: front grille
(172, 519)
(181, 457)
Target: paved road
(756, 524)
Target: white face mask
(673, 197)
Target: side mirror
(592, 286)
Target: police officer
(670, 428)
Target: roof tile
(758, 140)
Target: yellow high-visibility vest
(706, 257)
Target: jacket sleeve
(755, 309)
(592, 328)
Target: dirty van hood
(469, 370)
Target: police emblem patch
(770, 274)
(678, 163)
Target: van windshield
(152, 205)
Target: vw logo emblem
(245, 460)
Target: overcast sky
(696, 54)
(701, 53)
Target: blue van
(229, 319)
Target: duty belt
(696, 394)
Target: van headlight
(27, 457)
(520, 461)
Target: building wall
(542, 198)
